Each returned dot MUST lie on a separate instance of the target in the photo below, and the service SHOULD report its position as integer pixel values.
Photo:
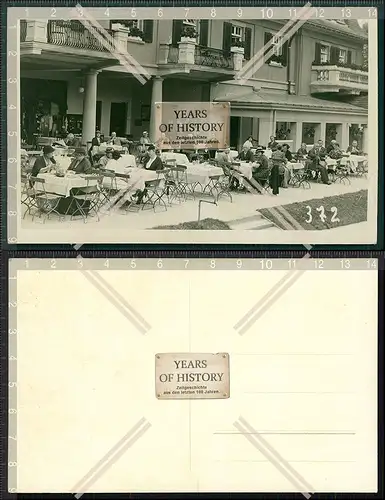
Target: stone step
(254, 223)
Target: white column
(298, 136)
(344, 136)
(320, 132)
(36, 31)
(156, 96)
(264, 131)
(89, 105)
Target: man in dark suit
(44, 163)
(153, 162)
(261, 174)
(317, 156)
(246, 154)
(80, 164)
(72, 142)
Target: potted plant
(277, 60)
(237, 46)
(135, 33)
(189, 33)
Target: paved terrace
(244, 205)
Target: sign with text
(192, 376)
(192, 125)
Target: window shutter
(148, 30)
(317, 57)
(204, 32)
(247, 53)
(177, 26)
(285, 48)
(334, 55)
(349, 57)
(226, 44)
(268, 37)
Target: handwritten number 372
(322, 215)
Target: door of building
(118, 118)
(235, 127)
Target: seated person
(195, 159)
(302, 152)
(153, 162)
(286, 150)
(354, 149)
(24, 163)
(114, 141)
(261, 173)
(72, 142)
(249, 142)
(106, 158)
(331, 146)
(246, 154)
(44, 163)
(272, 144)
(335, 153)
(224, 160)
(317, 161)
(80, 164)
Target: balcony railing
(333, 78)
(72, 34)
(23, 30)
(215, 58)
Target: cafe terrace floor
(242, 207)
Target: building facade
(314, 86)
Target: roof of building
(348, 27)
(276, 100)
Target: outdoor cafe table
(137, 180)
(63, 185)
(352, 161)
(178, 157)
(202, 173)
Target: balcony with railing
(335, 78)
(214, 58)
(71, 33)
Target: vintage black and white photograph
(241, 130)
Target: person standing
(278, 159)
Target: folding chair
(155, 192)
(87, 200)
(45, 203)
(108, 186)
(28, 195)
(178, 184)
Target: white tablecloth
(292, 166)
(119, 166)
(179, 157)
(352, 161)
(202, 173)
(63, 185)
(102, 148)
(137, 180)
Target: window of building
(237, 33)
(138, 23)
(343, 56)
(277, 45)
(324, 53)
